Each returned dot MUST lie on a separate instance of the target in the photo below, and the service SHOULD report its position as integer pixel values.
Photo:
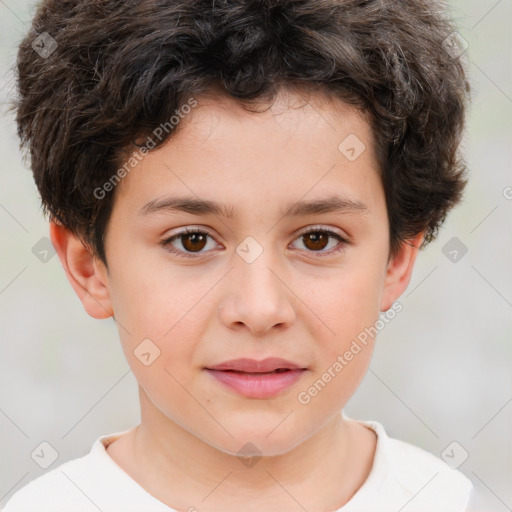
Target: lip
(257, 379)
(253, 366)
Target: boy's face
(255, 287)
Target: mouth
(277, 370)
(268, 365)
(257, 379)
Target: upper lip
(253, 366)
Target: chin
(259, 442)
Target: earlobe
(399, 271)
(86, 274)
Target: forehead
(293, 146)
(292, 111)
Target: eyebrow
(334, 204)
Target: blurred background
(441, 375)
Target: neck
(182, 471)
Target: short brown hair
(119, 69)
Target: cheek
(161, 312)
(152, 297)
(342, 345)
(344, 304)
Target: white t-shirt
(403, 478)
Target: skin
(294, 301)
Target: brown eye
(193, 241)
(316, 240)
(188, 243)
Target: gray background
(441, 370)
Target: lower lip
(258, 385)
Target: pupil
(197, 241)
(194, 241)
(319, 240)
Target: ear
(399, 271)
(86, 274)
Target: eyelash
(167, 242)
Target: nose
(257, 296)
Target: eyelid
(307, 229)
(189, 229)
(320, 227)
(343, 239)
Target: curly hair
(115, 70)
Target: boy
(244, 186)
